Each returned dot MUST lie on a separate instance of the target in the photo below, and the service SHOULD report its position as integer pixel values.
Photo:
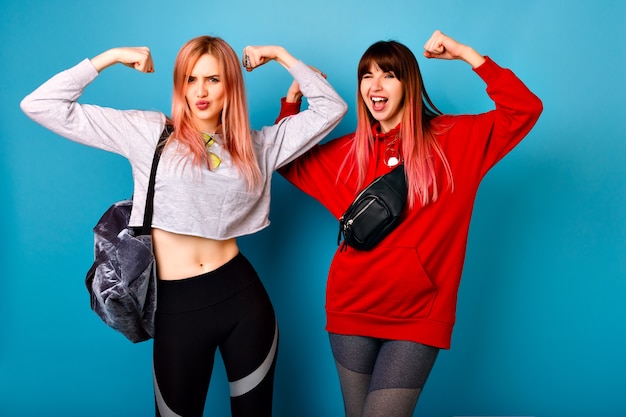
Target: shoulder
(340, 144)
(147, 127)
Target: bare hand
(138, 58)
(441, 46)
(255, 56)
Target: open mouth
(378, 103)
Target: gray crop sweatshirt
(188, 200)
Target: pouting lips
(202, 105)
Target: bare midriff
(183, 256)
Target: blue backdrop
(540, 328)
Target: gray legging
(381, 377)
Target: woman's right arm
(54, 105)
(138, 58)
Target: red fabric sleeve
(288, 109)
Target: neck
(209, 128)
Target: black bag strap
(147, 214)
(397, 172)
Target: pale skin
(441, 46)
(181, 256)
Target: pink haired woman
(212, 186)
(390, 309)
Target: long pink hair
(234, 117)
(419, 144)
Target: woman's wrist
(293, 98)
(104, 59)
(472, 57)
(284, 58)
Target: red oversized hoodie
(406, 288)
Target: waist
(194, 293)
(183, 256)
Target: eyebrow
(205, 76)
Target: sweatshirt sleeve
(54, 105)
(293, 136)
(517, 110)
(318, 174)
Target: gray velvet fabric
(122, 279)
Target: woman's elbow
(342, 110)
(27, 106)
(537, 107)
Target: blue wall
(541, 314)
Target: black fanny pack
(375, 212)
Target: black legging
(226, 308)
(381, 377)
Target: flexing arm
(516, 107)
(295, 135)
(55, 105)
(441, 46)
(138, 58)
(255, 56)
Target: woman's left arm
(255, 56)
(517, 108)
(293, 136)
(441, 46)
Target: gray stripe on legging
(247, 383)
(164, 410)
